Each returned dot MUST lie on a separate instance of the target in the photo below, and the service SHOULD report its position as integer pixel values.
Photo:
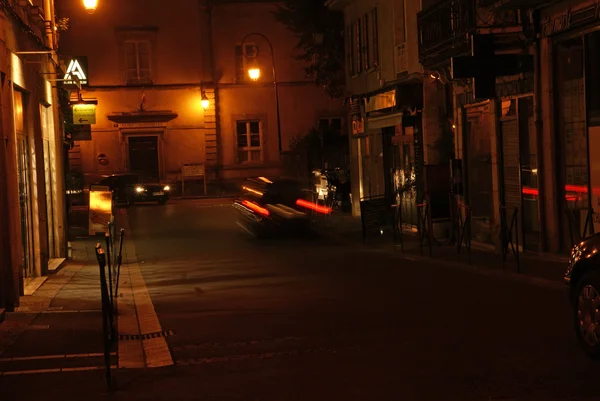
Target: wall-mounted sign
(358, 126)
(191, 171)
(381, 101)
(76, 70)
(103, 159)
(140, 125)
(84, 114)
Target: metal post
(274, 82)
(106, 312)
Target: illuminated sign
(76, 70)
(84, 114)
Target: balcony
(512, 4)
(445, 29)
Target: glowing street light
(254, 73)
(90, 5)
(204, 102)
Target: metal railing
(109, 263)
(444, 25)
(424, 227)
(576, 232)
(509, 233)
(463, 230)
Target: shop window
(249, 141)
(19, 111)
(593, 78)
(571, 133)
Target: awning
(384, 121)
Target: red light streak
(313, 206)
(253, 206)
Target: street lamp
(90, 5)
(254, 74)
(204, 102)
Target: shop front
(574, 59)
(386, 145)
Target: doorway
(143, 158)
(478, 149)
(25, 207)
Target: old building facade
(32, 195)
(384, 82)
(172, 88)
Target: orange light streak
(313, 206)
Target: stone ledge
(56, 264)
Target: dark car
(582, 279)
(128, 189)
(274, 208)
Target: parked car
(128, 189)
(582, 279)
(275, 208)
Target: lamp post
(254, 74)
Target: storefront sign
(100, 210)
(77, 72)
(358, 126)
(84, 114)
(570, 19)
(381, 101)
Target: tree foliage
(320, 34)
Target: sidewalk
(544, 266)
(59, 327)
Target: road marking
(54, 370)
(60, 356)
(137, 317)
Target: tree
(320, 41)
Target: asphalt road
(316, 319)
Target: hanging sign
(76, 71)
(84, 114)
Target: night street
(314, 319)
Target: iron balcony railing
(445, 28)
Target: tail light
(313, 206)
(253, 206)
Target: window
(365, 42)
(19, 111)
(350, 49)
(249, 141)
(374, 45)
(137, 62)
(332, 125)
(357, 46)
(242, 61)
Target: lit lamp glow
(204, 102)
(254, 73)
(90, 5)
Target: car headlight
(139, 190)
(167, 188)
